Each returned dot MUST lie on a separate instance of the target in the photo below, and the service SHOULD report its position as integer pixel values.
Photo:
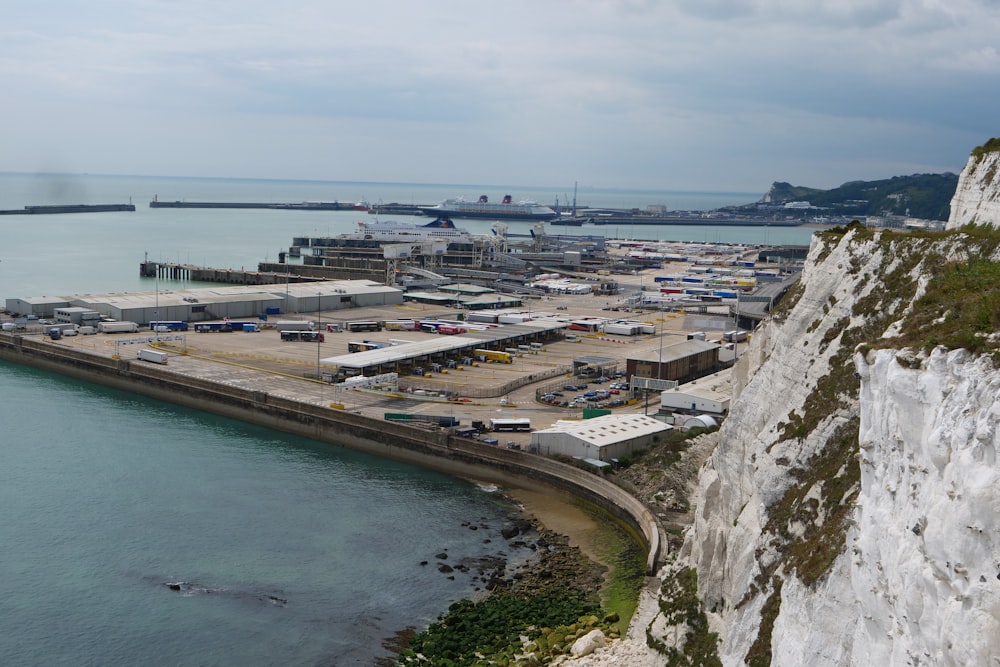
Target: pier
(171, 271)
(68, 208)
(301, 206)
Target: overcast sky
(705, 95)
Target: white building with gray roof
(599, 438)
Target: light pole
(156, 282)
(319, 338)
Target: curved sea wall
(432, 449)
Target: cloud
(707, 95)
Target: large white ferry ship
(390, 231)
(484, 208)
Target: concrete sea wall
(433, 449)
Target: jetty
(300, 206)
(207, 274)
(68, 208)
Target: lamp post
(319, 338)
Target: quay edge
(436, 450)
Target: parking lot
(263, 361)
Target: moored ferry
(484, 208)
(402, 232)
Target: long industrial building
(406, 356)
(216, 303)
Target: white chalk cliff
(850, 514)
(977, 197)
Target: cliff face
(977, 197)
(851, 512)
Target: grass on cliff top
(960, 306)
(991, 146)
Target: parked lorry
(168, 325)
(294, 325)
(154, 356)
(117, 327)
(65, 328)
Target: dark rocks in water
(444, 567)
(517, 527)
(193, 589)
(423, 562)
(441, 556)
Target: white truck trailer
(154, 356)
(294, 325)
(117, 327)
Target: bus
(519, 424)
(364, 326)
(363, 346)
(303, 336)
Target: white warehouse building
(600, 438)
(710, 394)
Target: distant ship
(505, 210)
(389, 231)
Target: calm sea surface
(292, 552)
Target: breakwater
(301, 206)
(438, 450)
(68, 208)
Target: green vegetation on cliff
(926, 196)
(991, 146)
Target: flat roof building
(682, 362)
(212, 303)
(710, 394)
(600, 438)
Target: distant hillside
(926, 196)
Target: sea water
(285, 551)
(81, 253)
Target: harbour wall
(276, 274)
(438, 450)
(68, 208)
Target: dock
(172, 271)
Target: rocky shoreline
(553, 564)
